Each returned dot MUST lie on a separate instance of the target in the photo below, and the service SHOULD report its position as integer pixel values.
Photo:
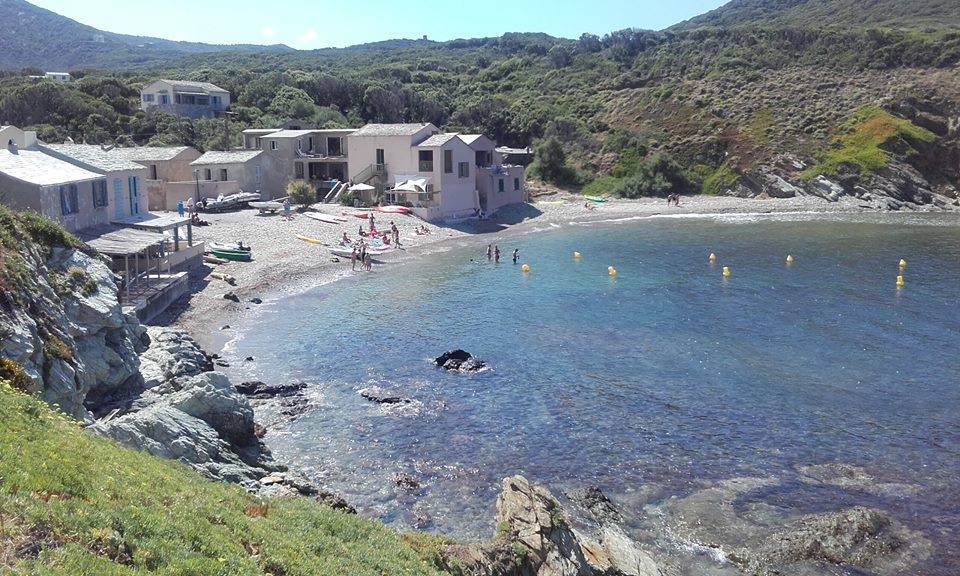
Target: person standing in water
(489, 251)
(516, 255)
(353, 258)
(396, 233)
(496, 254)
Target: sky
(308, 24)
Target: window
(148, 97)
(298, 170)
(334, 147)
(133, 184)
(153, 171)
(69, 203)
(516, 183)
(273, 144)
(164, 99)
(215, 100)
(258, 146)
(426, 160)
(464, 170)
(448, 161)
(380, 157)
(207, 175)
(223, 174)
(500, 185)
(99, 193)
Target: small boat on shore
(325, 218)
(394, 209)
(270, 206)
(363, 215)
(225, 203)
(235, 255)
(234, 246)
(597, 199)
(309, 239)
(346, 251)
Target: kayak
(309, 239)
(596, 198)
(326, 218)
(346, 251)
(236, 255)
(394, 209)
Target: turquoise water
(661, 378)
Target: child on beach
(396, 233)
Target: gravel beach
(283, 264)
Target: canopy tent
(416, 185)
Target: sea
(651, 383)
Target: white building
(185, 98)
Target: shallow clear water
(664, 376)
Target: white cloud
(268, 32)
(307, 37)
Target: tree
(292, 102)
(559, 56)
(589, 43)
(381, 105)
(301, 192)
(551, 161)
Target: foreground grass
(74, 504)
(863, 139)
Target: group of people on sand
(393, 236)
(493, 253)
(673, 199)
(359, 253)
(422, 230)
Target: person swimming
(516, 255)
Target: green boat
(596, 198)
(238, 255)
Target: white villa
(185, 98)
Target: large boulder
(460, 360)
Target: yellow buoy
(900, 282)
(713, 257)
(576, 255)
(903, 263)
(525, 267)
(726, 271)
(789, 259)
(611, 271)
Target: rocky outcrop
(459, 360)
(535, 538)
(257, 390)
(66, 329)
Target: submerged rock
(594, 501)
(459, 360)
(260, 390)
(381, 396)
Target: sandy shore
(284, 264)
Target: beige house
(169, 178)
(232, 171)
(444, 176)
(185, 98)
(124, 178)
(33, 179)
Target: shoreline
(283, 265)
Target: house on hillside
(58, 76)
(444, 176)
(318, 156)
(33, 179)
(185, 98)
(231, 171)
(125, 178)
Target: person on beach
(489, 251)
(353, 259)
(368, 263)
(373, 226)
(396, 233)
(516, 255)
(180, 208)
(496, 254)
(286, 210)
(191, 207)
(345, 239)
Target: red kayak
(363, 215)
(394, 209)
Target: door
(134, 195)
(380, 158)
(117, 198)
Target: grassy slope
(839, 13)
(75, 504)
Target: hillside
(43, 39)
(913, 14)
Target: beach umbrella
(361, 187)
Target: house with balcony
(443, 176)
(185, 98)
(318, 156)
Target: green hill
(72, 504)
(815, 14)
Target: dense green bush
(301, 192)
